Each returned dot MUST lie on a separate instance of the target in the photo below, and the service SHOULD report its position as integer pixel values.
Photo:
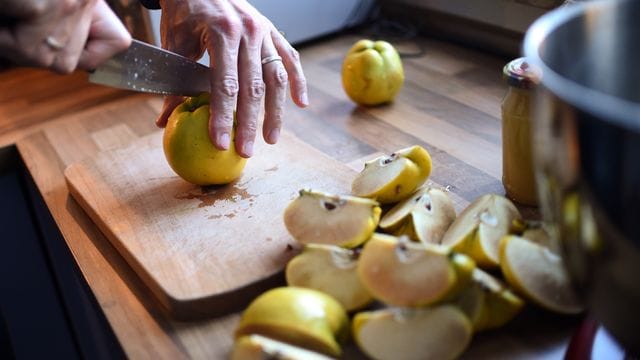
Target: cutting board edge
(180, 308)
(74, 191)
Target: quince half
(392, 178)
(258, 347)
(425, 216)
(189, 150)
(479, 227)
(316, 217)
(302, 317)
(488, 302)
(538, 274)
(406, 273)
(440, 332)
(332, 270)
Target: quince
(332, 270)
(372, 72)
(302, 317)
(488, 302)
(538, 274)
(439, 332)
(316, 217)
(257, 347)
(189, 150)
(425, 216)
(480, 226)
(392, 178)
(406, 273)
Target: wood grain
(201, 250)
(30, 98)
(451, 93)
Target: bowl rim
(620, 111)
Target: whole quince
(299, 316)
(189, 150)
(372, 72)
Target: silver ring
(271, 58)
(53, 43)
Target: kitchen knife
(147, 68)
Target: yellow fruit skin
(413, 177)
(481, 239)
(420, 156)
(401, 187)
(416, 168)
(463, 266)
(506, 270)
(472, 245)
(372, 224)
(303, 317)
(498, 310)
(189, 150)
(372, 72)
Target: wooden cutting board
(201, 250)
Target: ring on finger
(272, 58)
(54, 43)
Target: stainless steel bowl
(587, 152)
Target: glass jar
(517, 163)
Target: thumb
(107, 37)
(170, 103)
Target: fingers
(55, 35)
(72, 35)
(291, 60)
(237, 37)
(252, 89)
(224, 46)
(170, 103)
(107, 36)
(275, 78)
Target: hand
(237, 38)
(60, 35)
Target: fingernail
(273, 136)
(304, 99)
(224, 140)
(247, 149)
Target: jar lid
(519, 73)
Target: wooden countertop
(449, 104)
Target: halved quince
(488, 302)
(401, 272)
(390, 179)
(316, 217)
(538, 274)
(425, 216)
(303, 317)
(258, 347)
(478, 229)
(441, 332)
(332, 270)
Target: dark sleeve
(150, 4)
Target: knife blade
(147, 68)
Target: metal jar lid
(518, 73)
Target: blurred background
(494, 25)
